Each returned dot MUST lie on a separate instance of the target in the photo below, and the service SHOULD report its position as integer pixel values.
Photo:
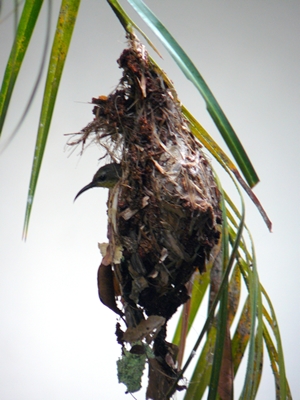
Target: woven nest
(164, 214)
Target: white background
(56, 339)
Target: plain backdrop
(56, 339)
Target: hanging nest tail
(163, 215)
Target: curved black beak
(87, 187)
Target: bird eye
(102, 177)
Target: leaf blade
(25, 29)
(61, 43)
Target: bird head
(106, 176)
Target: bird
(106, 177)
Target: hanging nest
(163, 214)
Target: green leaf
(254, 362)
(234, 293)
(25, 29)
(281, 384)
(200, 285)
(240, 342)
(241, 336)
(202, 372)
(191, 72)
(61, 43)
(201, 375)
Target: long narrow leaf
(63, 35)
(274, 357)
(241, 336)
(283, 388)
(234, 293)
(255, 342)
(25, 29)
(258, 363)
(222, 315)
(199, 289)
(202, 372)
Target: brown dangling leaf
(105, 279)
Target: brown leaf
(225, 387)
(145, 327)
(106, 290)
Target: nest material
(164, 213)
